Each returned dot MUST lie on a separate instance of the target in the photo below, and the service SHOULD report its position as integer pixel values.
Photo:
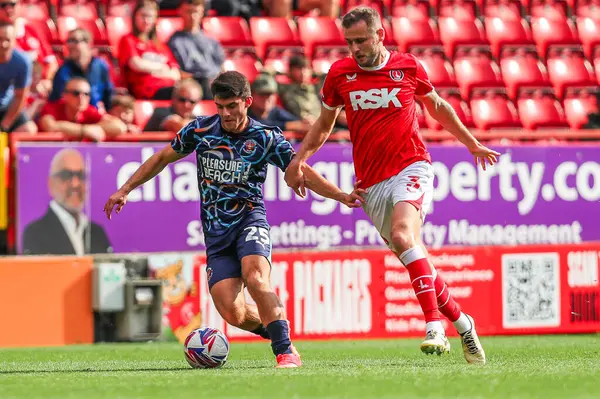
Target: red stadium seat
(121, 8)
(321, 66)
(389, 40)
(459, 9)
(548, 32)
(476, 72)
(523, 70)
(506, 10)
(415, 33)
(94, 26)
(78, 9)
(460, 107)
(246, 64)
(438, 68)
(589, 33)
(206, 108)
(230, 31)
(553, 9)
(411, 10)
(587, 8)
(376, 4)
(166, 26)
(541, 111)
(494, 111)
(269, 32)
(44, 29)
(570, 70)
(34, 10)
(507, 32)
(320, 31)
(277, 64)
(143, 110)
(116, 28)
(455, 32)
(578, 108)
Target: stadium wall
(327, 294)
(46, 301)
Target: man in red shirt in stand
(75, 117)
(378, 89)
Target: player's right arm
(317, 135)
(184, 143)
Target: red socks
(446, 304)
(421, 277)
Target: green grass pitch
(518, 367)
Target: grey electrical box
(142, 318)
(108, 287)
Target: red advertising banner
(367, 294)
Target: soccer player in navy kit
(232, 153)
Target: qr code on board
(530, 290)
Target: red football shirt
(89, 116)
(381, 112)
(142, 84)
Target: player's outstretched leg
(464, 323)
(404, 233)
(228, 297)
(256, 272)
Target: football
(206, 348)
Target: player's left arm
(441, 111)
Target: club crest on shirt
(396, 75)
(249, 146)
(351, 77)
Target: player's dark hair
(367, 14)
(231, 84)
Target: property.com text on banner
(534, 195)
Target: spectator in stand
(123, 109)
(301, 96)
(594, 117)
(237, 8)
(74, 116)
(186, 95)
(148, 65)
(29, 40)
(265, 110)
(285, 8)
(196, 53)
(35, 99)
(80, 62)
(15, 81)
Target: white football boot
(472, 348)
(435, 342)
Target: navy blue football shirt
(232, 168)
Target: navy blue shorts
(225, 252)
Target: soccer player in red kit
(378, 89)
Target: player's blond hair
(367, 14)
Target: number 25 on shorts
(258, 234)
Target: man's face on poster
(67, 181)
